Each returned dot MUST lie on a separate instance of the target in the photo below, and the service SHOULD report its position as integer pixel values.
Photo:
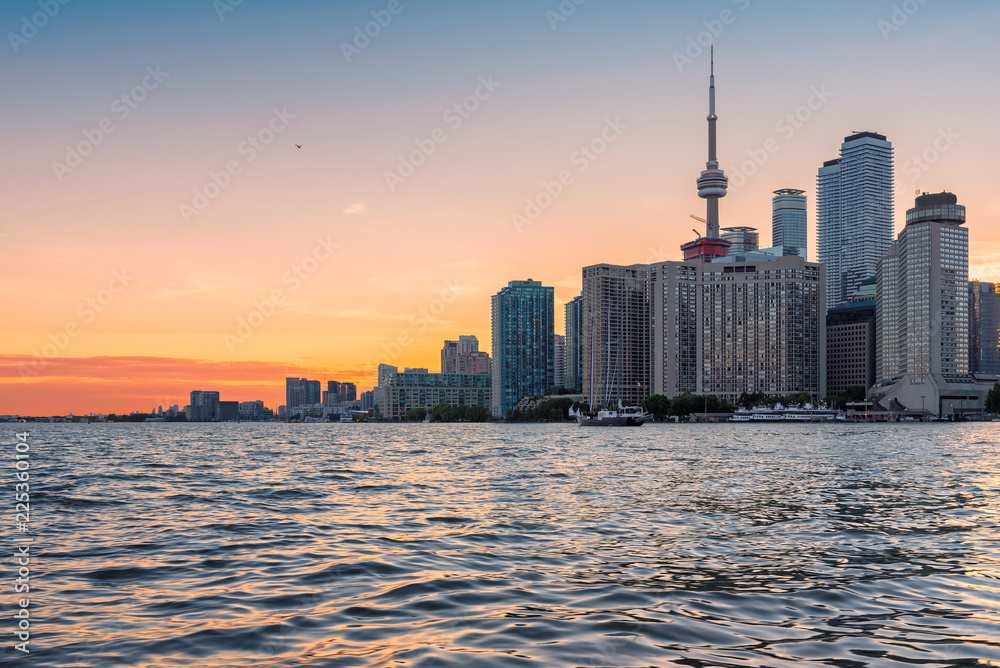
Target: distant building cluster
(465, 380)
(895, 319)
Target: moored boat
(779, 413)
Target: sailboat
(624, 416)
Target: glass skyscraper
(574, 344)
(788, 220)
(523, 343)
(984, 327)
(854, 219)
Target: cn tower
(712, 185)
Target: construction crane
(700, 219)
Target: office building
(401, 392)
(616, 331)
(523, 345)
(573, 379)
(854, 219)
(789, 221)
(850, 346)
(984, 327)
(295, 392)
(922, 314)
(313, 392)
(742, 239)
(229, 411)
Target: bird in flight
(298, 146)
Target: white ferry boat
(779, 413)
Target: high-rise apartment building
(616, 334)
(204, 407)
(854, 203)
(984, 327)
(789, 221)
(743, 323)
(295, 392)
(463, 356)
(523, 344)
(573, 379)
(743, 239)
(559, 359)
(922, 317)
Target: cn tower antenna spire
(712, 183)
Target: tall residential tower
(788, 220)
(523, 344)
(854, 219)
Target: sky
(161, 231)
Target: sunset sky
(142, 224)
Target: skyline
(339, 260)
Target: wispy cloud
(356, 209)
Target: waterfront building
(573, 379)
(751, 322)
(401, 392)
(368, 400)
(741, 239)
(559, 359)
(850, 346)
(984, 327)
(616, 344)
(255, 410)
(348, 392)
(204, 406)
(523, 345)
(313, 392)
(922, 314)
(789, 221)
(295, 392)
(229, 411)
(854, 219)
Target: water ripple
(521, 545)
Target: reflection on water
(518, 545)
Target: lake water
(511, 545)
